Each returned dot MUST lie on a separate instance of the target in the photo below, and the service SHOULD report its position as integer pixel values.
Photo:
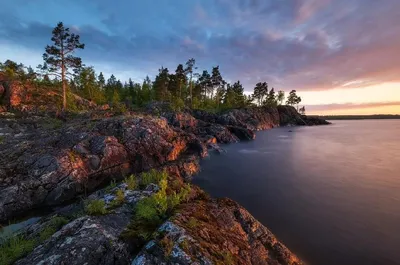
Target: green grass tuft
(192, 223)
(119, 199)
(153, 176)
(151, 212)
(46, 233)
(111, 186)
(95, 207)
(131, 182)
(15, 248)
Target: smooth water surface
(330, 193)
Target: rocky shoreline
(47, 163)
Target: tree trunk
(190, 88)
(64, 86)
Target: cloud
(303, 45)
(349, 106)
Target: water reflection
(330, 193)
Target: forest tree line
(184, 86)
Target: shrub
(95, 207)
(15, 248)
(131, 182)
(177, 104)
(58, 221)
(153, 176)
(151, 212)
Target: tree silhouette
(190, 67)
(280, 97)
(293, 99)
(180, 78)
(58, 58)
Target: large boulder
(214, 232)
(43, 166)
(288, 115)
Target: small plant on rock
(15, 248)
(192, 223)
(167, 245)
(131, 182)
(95, 207)
(54, 225)
(119, 199)
(153, 176)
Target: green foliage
(46, 233)
(18, 246)
(293, 98)
(1, 139)
(192, 223)
(15, 248)
(120, 196)
(58, 58)
(118, 200)
(58, 221)
(72, 103)
(113, 184)
(177, 104)
(152, 176)
(151, 212)
(54, 225)
(184, 245)
(280, 97)
(271, 100)
(228, 258)
(131, 182)
(95, 207)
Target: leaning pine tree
(58, 58)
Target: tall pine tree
(58, 58)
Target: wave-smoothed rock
(214, 232)
(47, 162)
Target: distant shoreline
(359, 117)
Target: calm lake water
(330, 193)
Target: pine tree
(258, 93)
(190, 67)
(217, 83)
(58, 58)
(110, 87)
(205, 83)
(161, 84)
(146, 91)
(101, 81)
(293, 99)
(180, 78)
(271, 99)
(239, 97)
(216, 80)
(280, 97)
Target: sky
(342, 56)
